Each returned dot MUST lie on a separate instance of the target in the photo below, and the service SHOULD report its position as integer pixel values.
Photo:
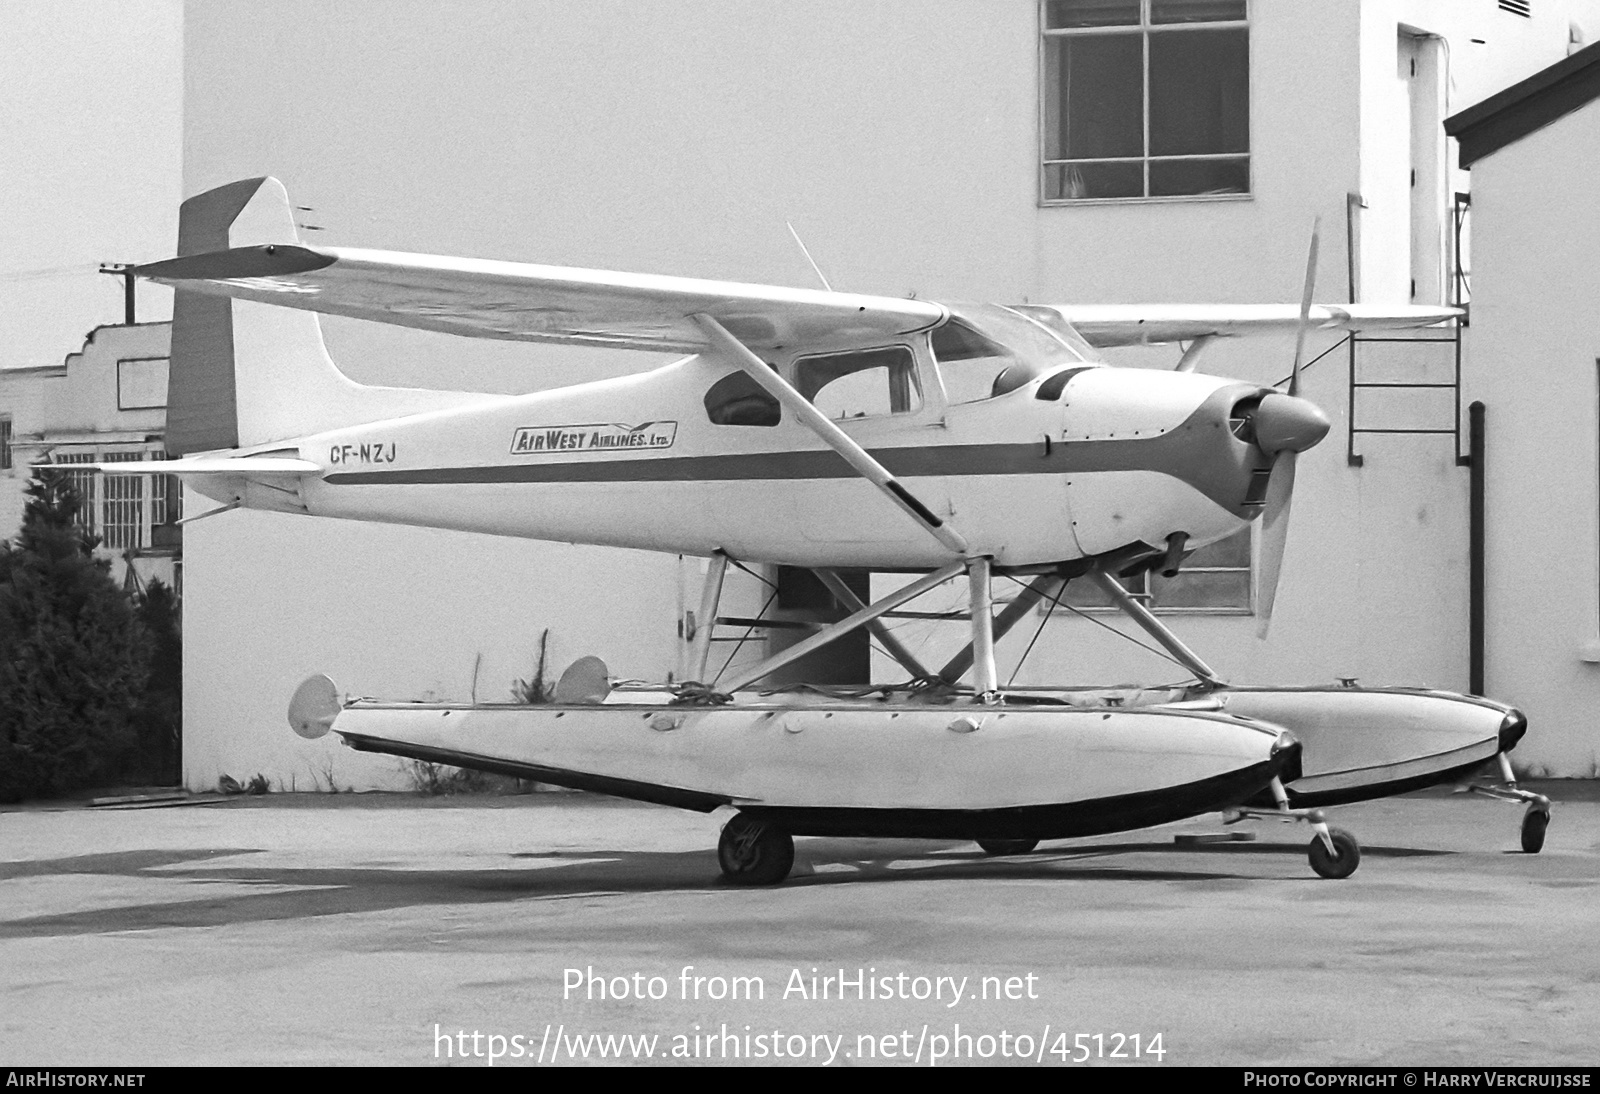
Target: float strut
(852, 603)
(1045, 585)
(706, 621)
(985, 678)
(843, 627)
(1155, 628)
(1510, 791)
(1313, 817)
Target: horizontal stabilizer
(268, 260)
(201, 465)
(1152, 324)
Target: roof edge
(1528, 106)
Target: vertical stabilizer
(200, 391)
(245, 374)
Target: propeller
(1274, 535)
(1285, 425)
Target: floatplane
(823, 430)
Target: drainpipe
(1475, 521)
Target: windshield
(985, 350)
(1059, 327)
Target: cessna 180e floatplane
(823, 430)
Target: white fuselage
(1117, 456)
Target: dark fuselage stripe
(933, 460)
(1199, 452)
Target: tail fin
(244, 374)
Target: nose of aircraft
(1287, 748)
(1512, 727)
(1288, 423)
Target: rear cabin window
(860, 384)
(736, 399)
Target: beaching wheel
(1339, 865)
(753, 852)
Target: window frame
(145, 496)
(1144, 28)
(916, 388)
(162, 405)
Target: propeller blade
(1305, 307)
(1274, 535)
(1292, 426)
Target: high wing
(1105, 325)
(525, 302)
(530, 303)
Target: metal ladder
(1460, 294)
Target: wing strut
(834, 437)
(1191, 356)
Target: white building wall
(901, 140)
(1469, 50)
(404, 613)
(1533, 350)
(84, 398)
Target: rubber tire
(1328, 866)
(1007, 846)
(753, 852)
(1534, 822)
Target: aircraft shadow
(113, 862)
(309, 892)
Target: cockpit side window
(736, 399)
(860, 384)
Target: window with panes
(1145, 99)
(1216, 578)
